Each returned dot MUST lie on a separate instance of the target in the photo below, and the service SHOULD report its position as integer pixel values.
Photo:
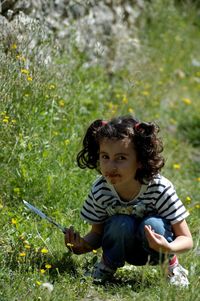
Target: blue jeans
(124, 240)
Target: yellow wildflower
(176, 166)
(198, 179)
(55, 133)
(26, 242)
(14, 46)
(69, 245)
(20, 58)
(94, 251)
(67, 141)
(124, 99)
(130, 110)
(110, 105)
(188, 199)
(48, 266)
(145, 93)
(42, 271)
(29, 78)
(16, 190)
(22, 236)
(197, 206)
(61, 103)
(22, 254)
(14, 221)
(113, 107)
(38, 282)
(52, 87)
(187, 101)
(5, 120)
(24, 71)
(44, 251)
(27, 246)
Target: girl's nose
(112, 166)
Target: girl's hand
(156, 241)
(74, 242)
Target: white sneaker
(178, 276)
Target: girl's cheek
(101, 165)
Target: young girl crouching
(134, 212)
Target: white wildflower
(48, 286)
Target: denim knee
(159, 225)
(118, 239)
(119, 226)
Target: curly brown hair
(147, 144)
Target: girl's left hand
(156, 241)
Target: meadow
(44, 111)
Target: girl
(134, 212)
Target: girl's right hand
(75, 243)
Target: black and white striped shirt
(158, 197)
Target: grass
(44, 113)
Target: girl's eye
(121, 158)
(104, 157)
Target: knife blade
(43, 216)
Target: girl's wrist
(93, 240)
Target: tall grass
(45, 110)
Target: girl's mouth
(112, 175)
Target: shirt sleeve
(170, 207)
(92, 211)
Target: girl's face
(118, 162)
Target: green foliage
(44, 111)
(190, 128)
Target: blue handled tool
(44, 216)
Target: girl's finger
(67, 237)
(150, 235)
(67, 234)
(78, 238)
(157, 235)
(147, 229)
(71, 235)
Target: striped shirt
(158, 197)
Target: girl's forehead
(117, 143)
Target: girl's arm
(182, 242)
(81, 245)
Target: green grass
(44, 115)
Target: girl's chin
(113, 181)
